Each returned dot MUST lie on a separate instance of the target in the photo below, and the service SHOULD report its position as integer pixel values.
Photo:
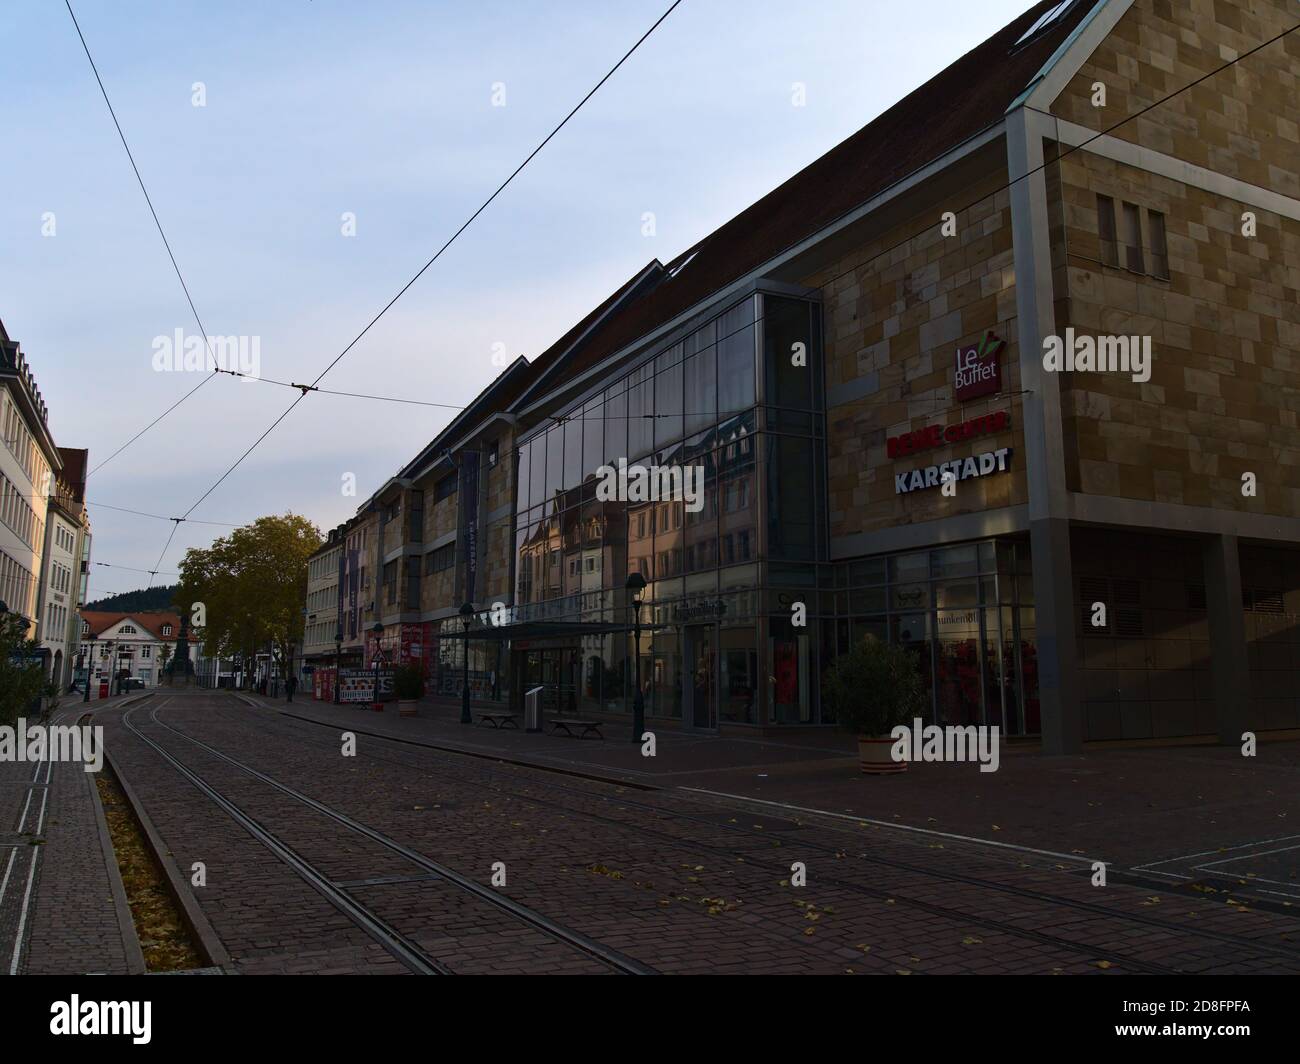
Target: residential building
(29, 462)
(326, 584)
(61, 584)
(138, 644)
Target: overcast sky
(384, 110)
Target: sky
(384, 111)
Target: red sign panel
(979, 369)
(938, 435)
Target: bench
(567, 724)
(499, 720)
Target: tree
(252, 585)
(22, 677)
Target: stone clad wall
(1224, 396)
(1244, 122)
(893, 327)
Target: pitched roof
(151, 621)
(968, 97)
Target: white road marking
(898, 827)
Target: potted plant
(871, 689)
(408, 682)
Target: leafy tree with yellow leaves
(252, 585)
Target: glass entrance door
(700, 677)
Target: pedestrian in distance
(290, 685)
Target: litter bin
(533, 709)
(103, 688)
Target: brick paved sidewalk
(1130, 806)
(63, 909)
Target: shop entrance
(700, 677)
(554, 669)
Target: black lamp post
(377, 631)
(467, 618)
(635, 587)
(338, 651)
(89, 655)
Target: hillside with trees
(152, 598)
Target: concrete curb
(210, 945)
(126, 922)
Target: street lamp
(108, 653)
(377, 631)
(89, 655)
(338, 651)
(635, 587)
(467, 618)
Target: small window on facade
(167, 629)
(1106, 231)
(1159, 245)
(445, 488)
(1133, 239)
(492, 452)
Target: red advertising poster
(412, 644)
(787, 673)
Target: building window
(440, 560)
(1159, 245)
(1133, 239)
(126, 629)
(390, 583)
(492, 452)
(1106, 231)
(167, 629)
(445, 488)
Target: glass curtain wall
(726, 423)
(964, 612)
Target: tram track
(891, 895)
(1023, 893)
(384, 931)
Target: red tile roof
(151, 621)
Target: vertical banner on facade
(469, 493)
(354, 581)
(343, 588)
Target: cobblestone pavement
(62, 906)
(678, 881)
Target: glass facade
(735, 408)
(965, 612)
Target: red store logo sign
(937, 435)
(978, 370)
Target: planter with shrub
(408, 683)
(872, 689)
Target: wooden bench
(567, 724)
(499, 720)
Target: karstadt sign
(979, 465)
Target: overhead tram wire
(166, 243)
(438, 254)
